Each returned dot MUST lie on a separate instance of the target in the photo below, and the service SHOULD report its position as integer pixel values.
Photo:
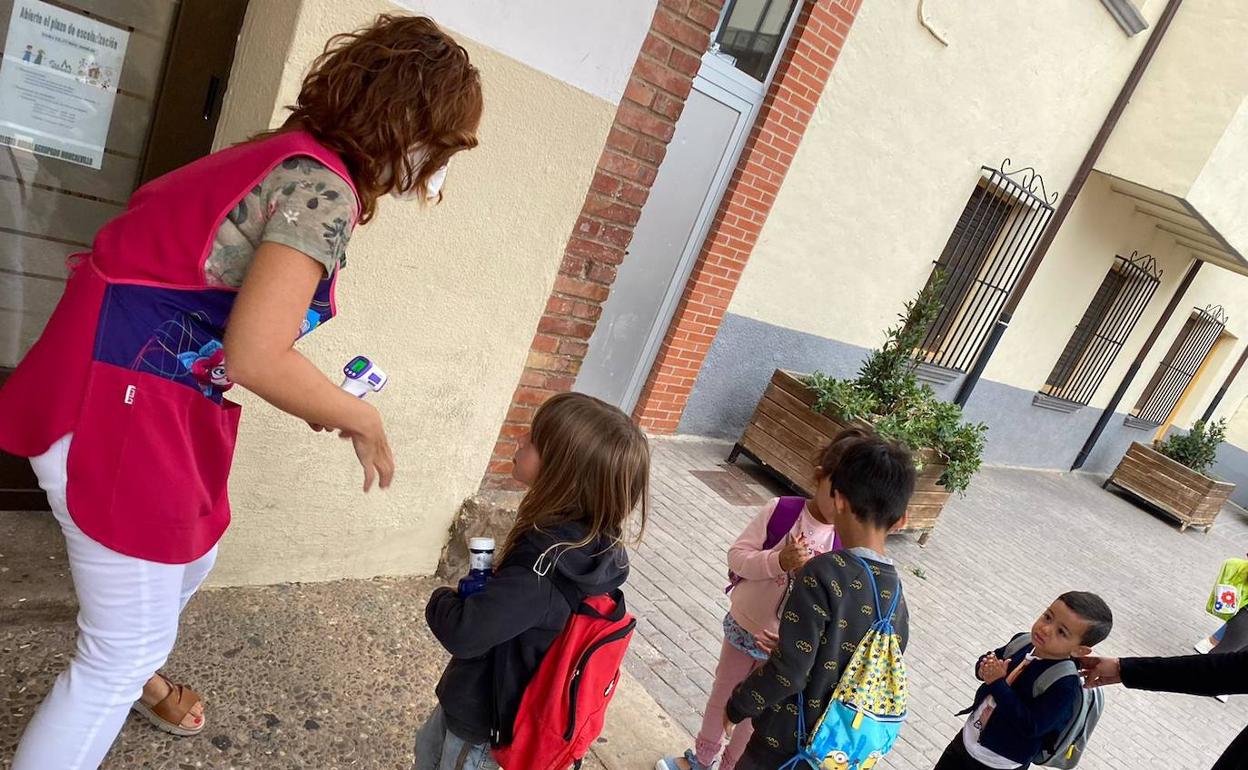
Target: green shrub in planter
(1197, 449)
(887, 395)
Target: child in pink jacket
(760, 585)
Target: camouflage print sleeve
(310, 209)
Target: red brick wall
(790, 102)
(661, 80)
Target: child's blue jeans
(439, 749)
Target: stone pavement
(998, 557)
(339, 675)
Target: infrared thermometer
(362, 376)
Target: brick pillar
(786, 111)
(660, 83)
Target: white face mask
(433, 188)
(436, 181)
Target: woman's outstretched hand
(372, 449)
(1098, 672)
(265, 321)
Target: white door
(727, 92)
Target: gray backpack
(1069, 743)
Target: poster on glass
(58, 82)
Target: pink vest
(131, 362)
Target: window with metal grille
(1182, 361)
(1108, 321)
(982, 261)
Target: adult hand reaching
(1098, 672)
(372, 449)
(259, 356)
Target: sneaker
(673, 763)
(1203, 646)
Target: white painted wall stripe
(590, 44)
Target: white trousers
(127, 624)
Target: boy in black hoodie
(1008, 725)
(587, 468)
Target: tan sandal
(167, 715)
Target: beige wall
(897, 141)
(895, 148)
(1220, 193)
(1183, 105)
(591, 44)
(445, 299)
(1237, 423)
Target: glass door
(710, 135)
(86, 106)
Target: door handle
(210, 100)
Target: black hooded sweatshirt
(498, 637)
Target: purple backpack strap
(786, 514)
(783, 517)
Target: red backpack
(563, 707)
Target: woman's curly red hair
(376, 95)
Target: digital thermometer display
(362, 377)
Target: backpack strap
(880, 617)
(1016, 644)
(1052, 675)
(569, 592)
(786, 513)
(576, 599)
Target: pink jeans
(734, 666)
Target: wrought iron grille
(1182, 361)
(1127, 289)
(982, 261)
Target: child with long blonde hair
(587, 468)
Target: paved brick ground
(997, 558)
(323, 676)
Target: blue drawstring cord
(884, 625)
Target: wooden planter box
(1182, 493)
(786, 436)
